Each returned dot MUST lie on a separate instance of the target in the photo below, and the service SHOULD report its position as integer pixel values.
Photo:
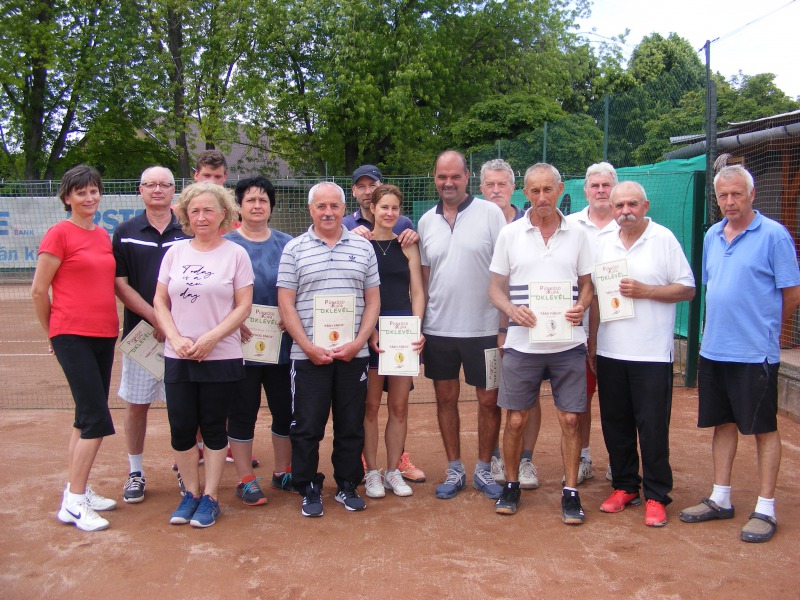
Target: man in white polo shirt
(634, 355)
(596, 220)
(542, 248)
(457, 237)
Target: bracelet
(502, 330)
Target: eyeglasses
(164, 186)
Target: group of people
(467, 274)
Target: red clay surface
(417, 547)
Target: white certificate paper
(395, 336)
(142, 346)
(334, 320)
(549, 301)
(492, 356)
(265, 344)
(613, 305)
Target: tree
(60, 65)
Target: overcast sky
(771, 45)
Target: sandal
(760, 528)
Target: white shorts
(137, 385)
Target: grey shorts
(523, 374)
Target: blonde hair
(225, 201)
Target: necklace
(381, 247)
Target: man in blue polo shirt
(366, 179)
(139, 245)
(740, 354)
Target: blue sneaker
(186, 510)
(484, 482)
(312, 501)
(454, 482)
(348, 497)
(207, 513)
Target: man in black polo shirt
(139, 245)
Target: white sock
(585, 453)
(136, 463)
(721, 495)
(766, 506)
(74, 499)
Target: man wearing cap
(366, 179)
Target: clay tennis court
(417, 547)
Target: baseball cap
(368, 171)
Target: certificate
(549, 301)
(264, 345)
(492, 356)
(613, 305)
(395, 335)
(334, 320)
(142, 346)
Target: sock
(569, 489)
(585, 453)
(482, 466)
(496, 452)
(455, 465)
(135, 461)
(766, 506)
(527, 454)
(721, 495)
(73, 499)
(248, 478)
(512, 485)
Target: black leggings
(87, 362)
(243, 409)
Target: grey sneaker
(585, 471)
(312, 501)
(348, 497)
(454, 482)
(498, 470)
(133, 490)
(528, 475)
(483, 482)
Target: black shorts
(741, 393)
(87, 362)
(444, 356)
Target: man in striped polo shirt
(328, 261)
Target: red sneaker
(655, 514)
(617, 501)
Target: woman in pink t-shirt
(76, 261)
(204, 294)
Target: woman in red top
(81, 322)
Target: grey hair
(148, 169)
(321, 185)
(635, 185)
(731, 171)
(601, 168)
(543, 167)
(497, 164)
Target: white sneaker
(95, 500)
(585, 471)
(98, 502)
(498, 470)
(82, 515)
(394, 481)
(528, 475)
(609, 476)
(373, 484)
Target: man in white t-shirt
(542, 248)
(634, 355)
(457, 237)
(596, 220)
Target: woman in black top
(401, 295)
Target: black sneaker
(571, 509)
(133, 490)
(507, 502)
(312, 501)
(348, 496)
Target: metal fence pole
(696, 260)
